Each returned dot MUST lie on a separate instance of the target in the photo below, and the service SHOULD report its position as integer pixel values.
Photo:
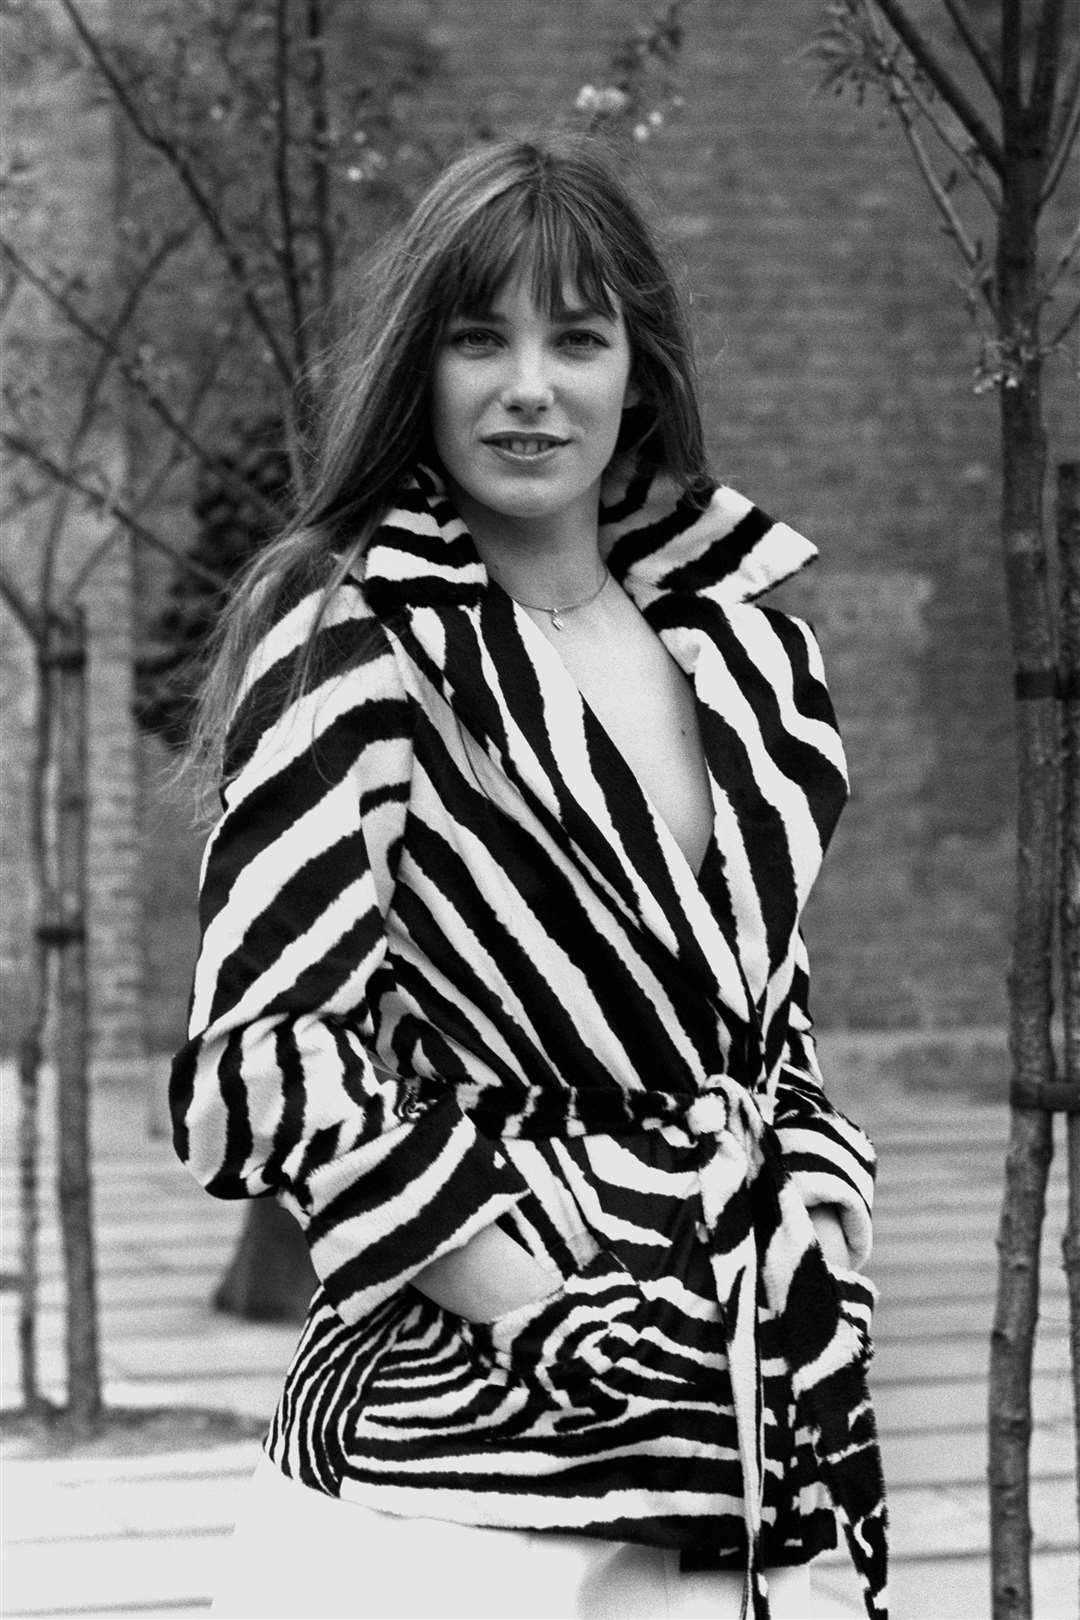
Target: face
(526, 408)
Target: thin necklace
(570, 607)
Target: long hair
(555, 203)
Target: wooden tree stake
(72, 1026)
(1068, 537)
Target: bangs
(564, 251)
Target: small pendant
(555, 620)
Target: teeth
(525, 447)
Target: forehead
(544, 249)
(517, 295)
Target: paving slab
(959, 1589)
(935, 1588)
(123, 1575)
(72, 1470)
(945, 1281)
(928, 1403)
(951, 1518)
(961, 1357)
(140, 1534)
(897, 1319)
(958, 1456)
(949, 1223)
(243, 1348)
(191, 1504)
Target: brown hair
(555, 202)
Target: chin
(522, 503)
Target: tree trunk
(1031, 976)
(270, 1277)
(32, 1041)
(1068, 533)
(29, 1203)
(68, 660)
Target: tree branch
(231, 254)
(1064, 140)
(7, 298)
(965, 27)
(109, 347)
(287, 253)
(102, 501)
(898, 91)
(954, 225)
(1012, 90)
(153, 485)
(1066, 326)
(19, 606)
(320, 149)
(173, 456)
(23, 501)
(108, 352)
(929, 112)
(1044, 75)
(1067, 102)
(1068, 254)
(942, 80)
(134, 377)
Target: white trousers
(298, 1554)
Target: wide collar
(656, 540)
(508, 687)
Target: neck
(553, 560)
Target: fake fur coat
(455, 970)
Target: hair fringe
(558, 196)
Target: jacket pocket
(566, 1346)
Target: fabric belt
(741, 1156)
(827, 1348)
(729, 1125)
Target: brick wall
(837, 359)
(52, 119)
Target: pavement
(122, 1531)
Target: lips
(524, 444)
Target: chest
(646, 705)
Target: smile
(523, 446)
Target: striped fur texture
(455, 969)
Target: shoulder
(774, 661)
(324, 661)
(771, 638)
(795, 635)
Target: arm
(488, 1276)
(830, 1160)
(276, 1091)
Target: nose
(527, 389)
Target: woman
(501, 989)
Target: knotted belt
(827, 1343)
(823, 1315)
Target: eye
(580, 340)
(473, 339)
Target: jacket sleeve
(277, 1090)
(830, 1160)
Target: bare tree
(251, 205)
(1068, 531)
(990, 121)
(238, 210)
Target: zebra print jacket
(456, 970)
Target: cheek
(445, 407)
(613, 399)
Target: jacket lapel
(685, 567)
(777, 773)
